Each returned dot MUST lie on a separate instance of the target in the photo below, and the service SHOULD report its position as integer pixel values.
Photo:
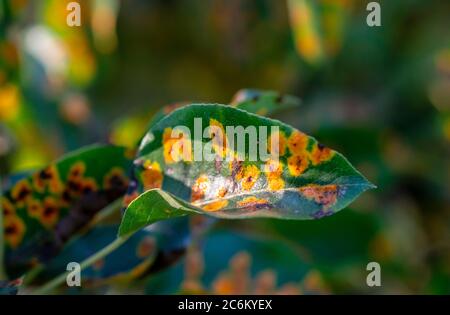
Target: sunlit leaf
(308, 181)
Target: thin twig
(52, 284)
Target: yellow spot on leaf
(218, 137)
(248, 176)
(216, 205)
(176, 147)
(276, 184)
(273, 170)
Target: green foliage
(44, 210)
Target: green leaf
(265, 103)
(309, 181)
(44, 210)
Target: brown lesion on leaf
(254, 203)
(325, 195)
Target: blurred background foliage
(379, 95)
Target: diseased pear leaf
(44, 210)
(308, 181)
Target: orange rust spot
(276, 144)
(34, 208)
(115, 179)
(89, 185)
(216, 205)
(248, 176)
(297, 142)
(151, 176)
(325, 195)
(50, 212)
(14, 230)
(297, 164)
(320, 154)
(273, 170)
(21, 192)
(276, 183)
(199, 188)
(77, 170)
(7, 207)
(176, 148)
(48, 177)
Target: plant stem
(52, 284)
(101, 215)
(2, 237)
